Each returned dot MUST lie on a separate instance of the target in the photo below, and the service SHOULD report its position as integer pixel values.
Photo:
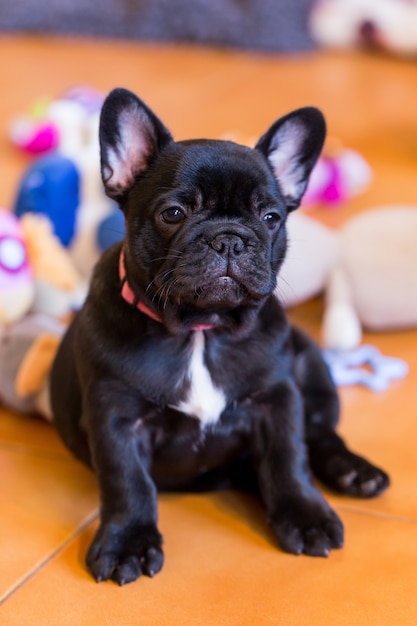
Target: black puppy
(181, 371)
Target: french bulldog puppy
(181, 371)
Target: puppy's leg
(66, 399)
(300, 516)
(330, 459)
(127, 543)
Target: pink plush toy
(34, 133)
(34, 136)
(338, 175)
(41, 129)
(36, 271)
(16, 276)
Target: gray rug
(266, 25)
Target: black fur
(205, 237)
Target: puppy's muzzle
(229, 251)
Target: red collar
(129, 296)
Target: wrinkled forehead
(203, 158)
(216, 170)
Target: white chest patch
(204, 401)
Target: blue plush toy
(51, 186)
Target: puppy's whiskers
(167, 257)
(150, 285)
(163, 295)
(162, 277)
(166, 275)
(169, 288)
(172, 254)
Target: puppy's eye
(173, 215)
(272, 220)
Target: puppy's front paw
(123, 553)
(308, 527)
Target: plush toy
(36, 272)
(339, 174)
(364, 365)
(390, 25)
(51, 186)
(17, 288)
(33, 132)
(367, 269)
(59, 288)
(65, 185)
(27, 349)
(40, 130)
(39, 288)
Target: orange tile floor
(222, 566)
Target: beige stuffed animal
(39, 288)
(58, 287)
(27, 349)
(367, 269)
(390, 25)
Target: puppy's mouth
(219, 294)
(223, 302)
(222, 292)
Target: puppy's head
(205, 220)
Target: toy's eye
(173, 215)
(12, 254)
(271, 220)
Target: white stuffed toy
(390, 25)
(368, 273)
(367, 269)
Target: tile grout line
(93, 516)
(379, 514)
(37, 568)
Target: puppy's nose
(227, 244)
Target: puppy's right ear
(131, 136)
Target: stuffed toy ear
(36, 364)
(292, 146)
(131, 136)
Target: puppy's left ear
(131, 136)
(292, 146)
